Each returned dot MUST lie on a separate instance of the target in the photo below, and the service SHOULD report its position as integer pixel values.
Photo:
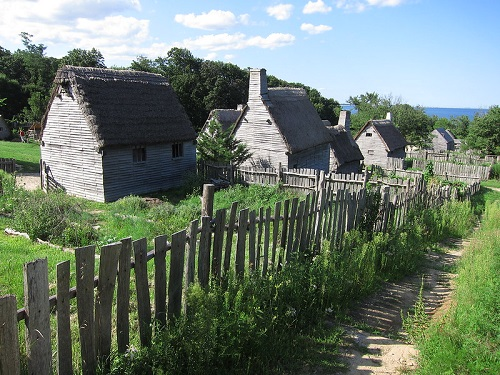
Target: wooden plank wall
(8, 165)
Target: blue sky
(440, 53)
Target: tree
(484, 132)
(368, 106)
(413, 123)
(218, 145)
(79, 57)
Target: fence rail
(234, 240)
(465, 173)
(8, 165)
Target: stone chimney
(388, 116)
(258, 85)
(345, 120)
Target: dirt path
(29, 181)
(380, 348)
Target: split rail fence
(235, 240)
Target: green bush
(45, 216)
(495, 172)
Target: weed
(416, 322)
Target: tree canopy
(484, 132)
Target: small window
(371, 152)
(139, 155)
(368, 134)
(177, 150)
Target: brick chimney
(258, 85)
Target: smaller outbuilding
(379, 140)
(442, 140)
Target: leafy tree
(459, 126)
(413, 123)
(218, 145)
(79, 57)
(368, 106)
(484, 132)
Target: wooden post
(142, 290)
(123, 296)
(175, 275)
(108, 268)
(220, 220)
(189, 266)
(161, 279)
(64, 352)
(9, 340)
(204, 252)
(207, 203)
(85, 261)
(241, 242)
(36, 302)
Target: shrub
(45, 216)
(495, 172)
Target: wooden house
(111, 133)
(4, 129)
(280, 126)
(442, 140)
(345, 155)
(379, 140)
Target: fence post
(207, 202)
(385, 207)
(36, 295)
(9, 340)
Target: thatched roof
(447, 135)
(296, 118)
(226, 117)
(124, 107)
(344, 147)
(389, 134)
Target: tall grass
(467, 339)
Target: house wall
(350, 167)
(4, 130)
(69, 153)
(372, 148)
(263, 139)
(314, 158)
(439, 143)
(123, 176)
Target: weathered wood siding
(4, 130)
(69, 152)
(313, 158)
(372, 148)
(347, 168)
(439, 143)
(123, 176)
(262, 138)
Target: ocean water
(440, 112)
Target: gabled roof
(445, 134)
(296, 118)
(226, 117)
(344, 148)
(124, 107)
(388, 133)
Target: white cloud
(213, 20)
(220, 42)
(316, 7)
(312, 29)
(362, 5)
(281, 11)
(211, 56)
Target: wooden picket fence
(236, 240)
(457, 172)
(8, 165)
(453, 157)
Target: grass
(467, 339)
(27, 155)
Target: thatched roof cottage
(111, 133)
(379, 140)
(281, 126)
(442, 140)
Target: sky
(433, 53)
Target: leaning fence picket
(220, 220)
(85, 262)
(160, 243)
(229, 237)
(175, 278)
(142, 290)
(108, 267)
(241, 242)
(64, 352)
(123, 296)
(9, 337)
